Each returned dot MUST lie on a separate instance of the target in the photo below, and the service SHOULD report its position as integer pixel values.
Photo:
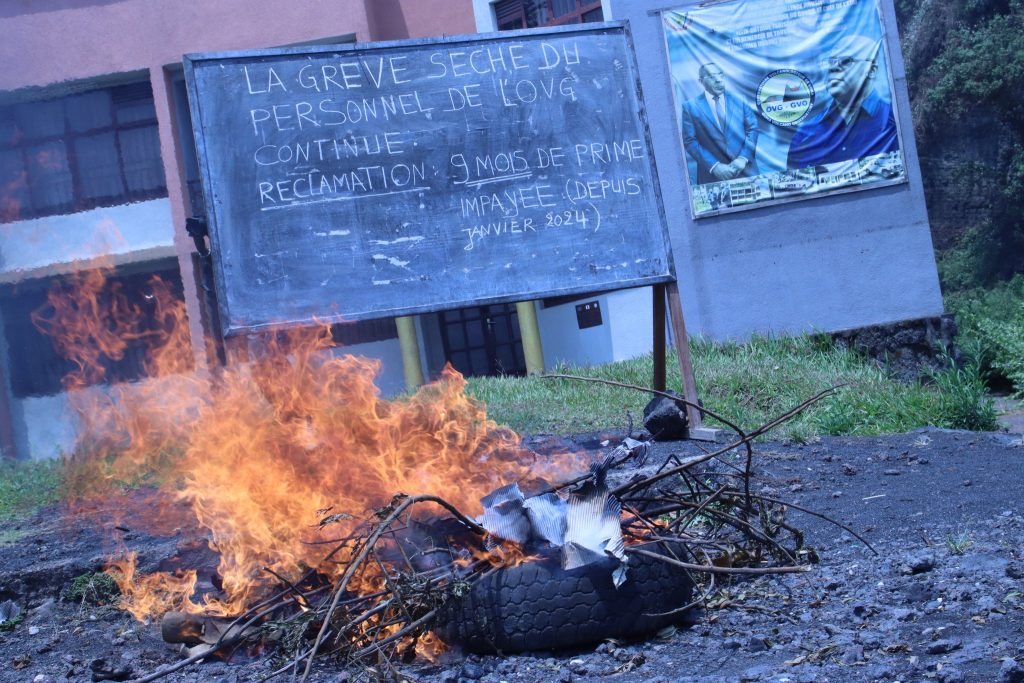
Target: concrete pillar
(410, 345)
(530, 331)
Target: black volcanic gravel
(942, 601)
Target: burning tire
(540, 606)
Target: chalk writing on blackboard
(366, 181)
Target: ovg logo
(785, 97)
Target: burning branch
(273, 443)
(684, 507)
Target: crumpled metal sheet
(504, 516)
(593, 527)
(547, 518)
(586, 525)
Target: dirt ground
(942, 600)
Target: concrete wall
(130, 232)
(397, 19)
(625, 331)
(47, 41)
(822, 264)
(484, 15)
(564, 342)
(632, 314)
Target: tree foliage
(965, 65)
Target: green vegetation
(965, 65)
(965, 72)
(992, 322)
(749, 384)
(12, 624)
(95, 588)
(959, 542)
(26, 486)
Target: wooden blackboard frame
(220, 227)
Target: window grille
(78, 152)
(36, 368)
(516, 14)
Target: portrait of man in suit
(719, 130)
(858, 122)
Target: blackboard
(362, 181)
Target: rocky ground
(942, 600)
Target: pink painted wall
(47, 41)
(398, 19)
(43, 42)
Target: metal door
(483, 340)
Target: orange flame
(504, 554)
(10, 206)
(154, 593)
(259, 448)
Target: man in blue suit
(857, 122)
(719, 130)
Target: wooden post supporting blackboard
(675, 308)
(658, 352)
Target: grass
(749, 384)
(959, 542)
(992, 321)
(94, 588)
(27, 486)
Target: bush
(1006, 348)
(96, 588)
(992, 323)
(964, 402)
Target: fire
(154, 593)
(10, 206)
(260, 448)
(504, 554)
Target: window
(78, 152)
(516, 14)
(36, 368)
(364, 331)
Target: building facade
(97, 158)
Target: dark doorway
(483, 340)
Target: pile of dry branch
(704, 503)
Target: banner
(778, 100)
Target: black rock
(665, 419)
(578, 667)
(941, 647)
(919, 563)
(756, 644)
(950, 675)
(1011, 671)
(472, 671)
(102, 670)
(853, 654)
